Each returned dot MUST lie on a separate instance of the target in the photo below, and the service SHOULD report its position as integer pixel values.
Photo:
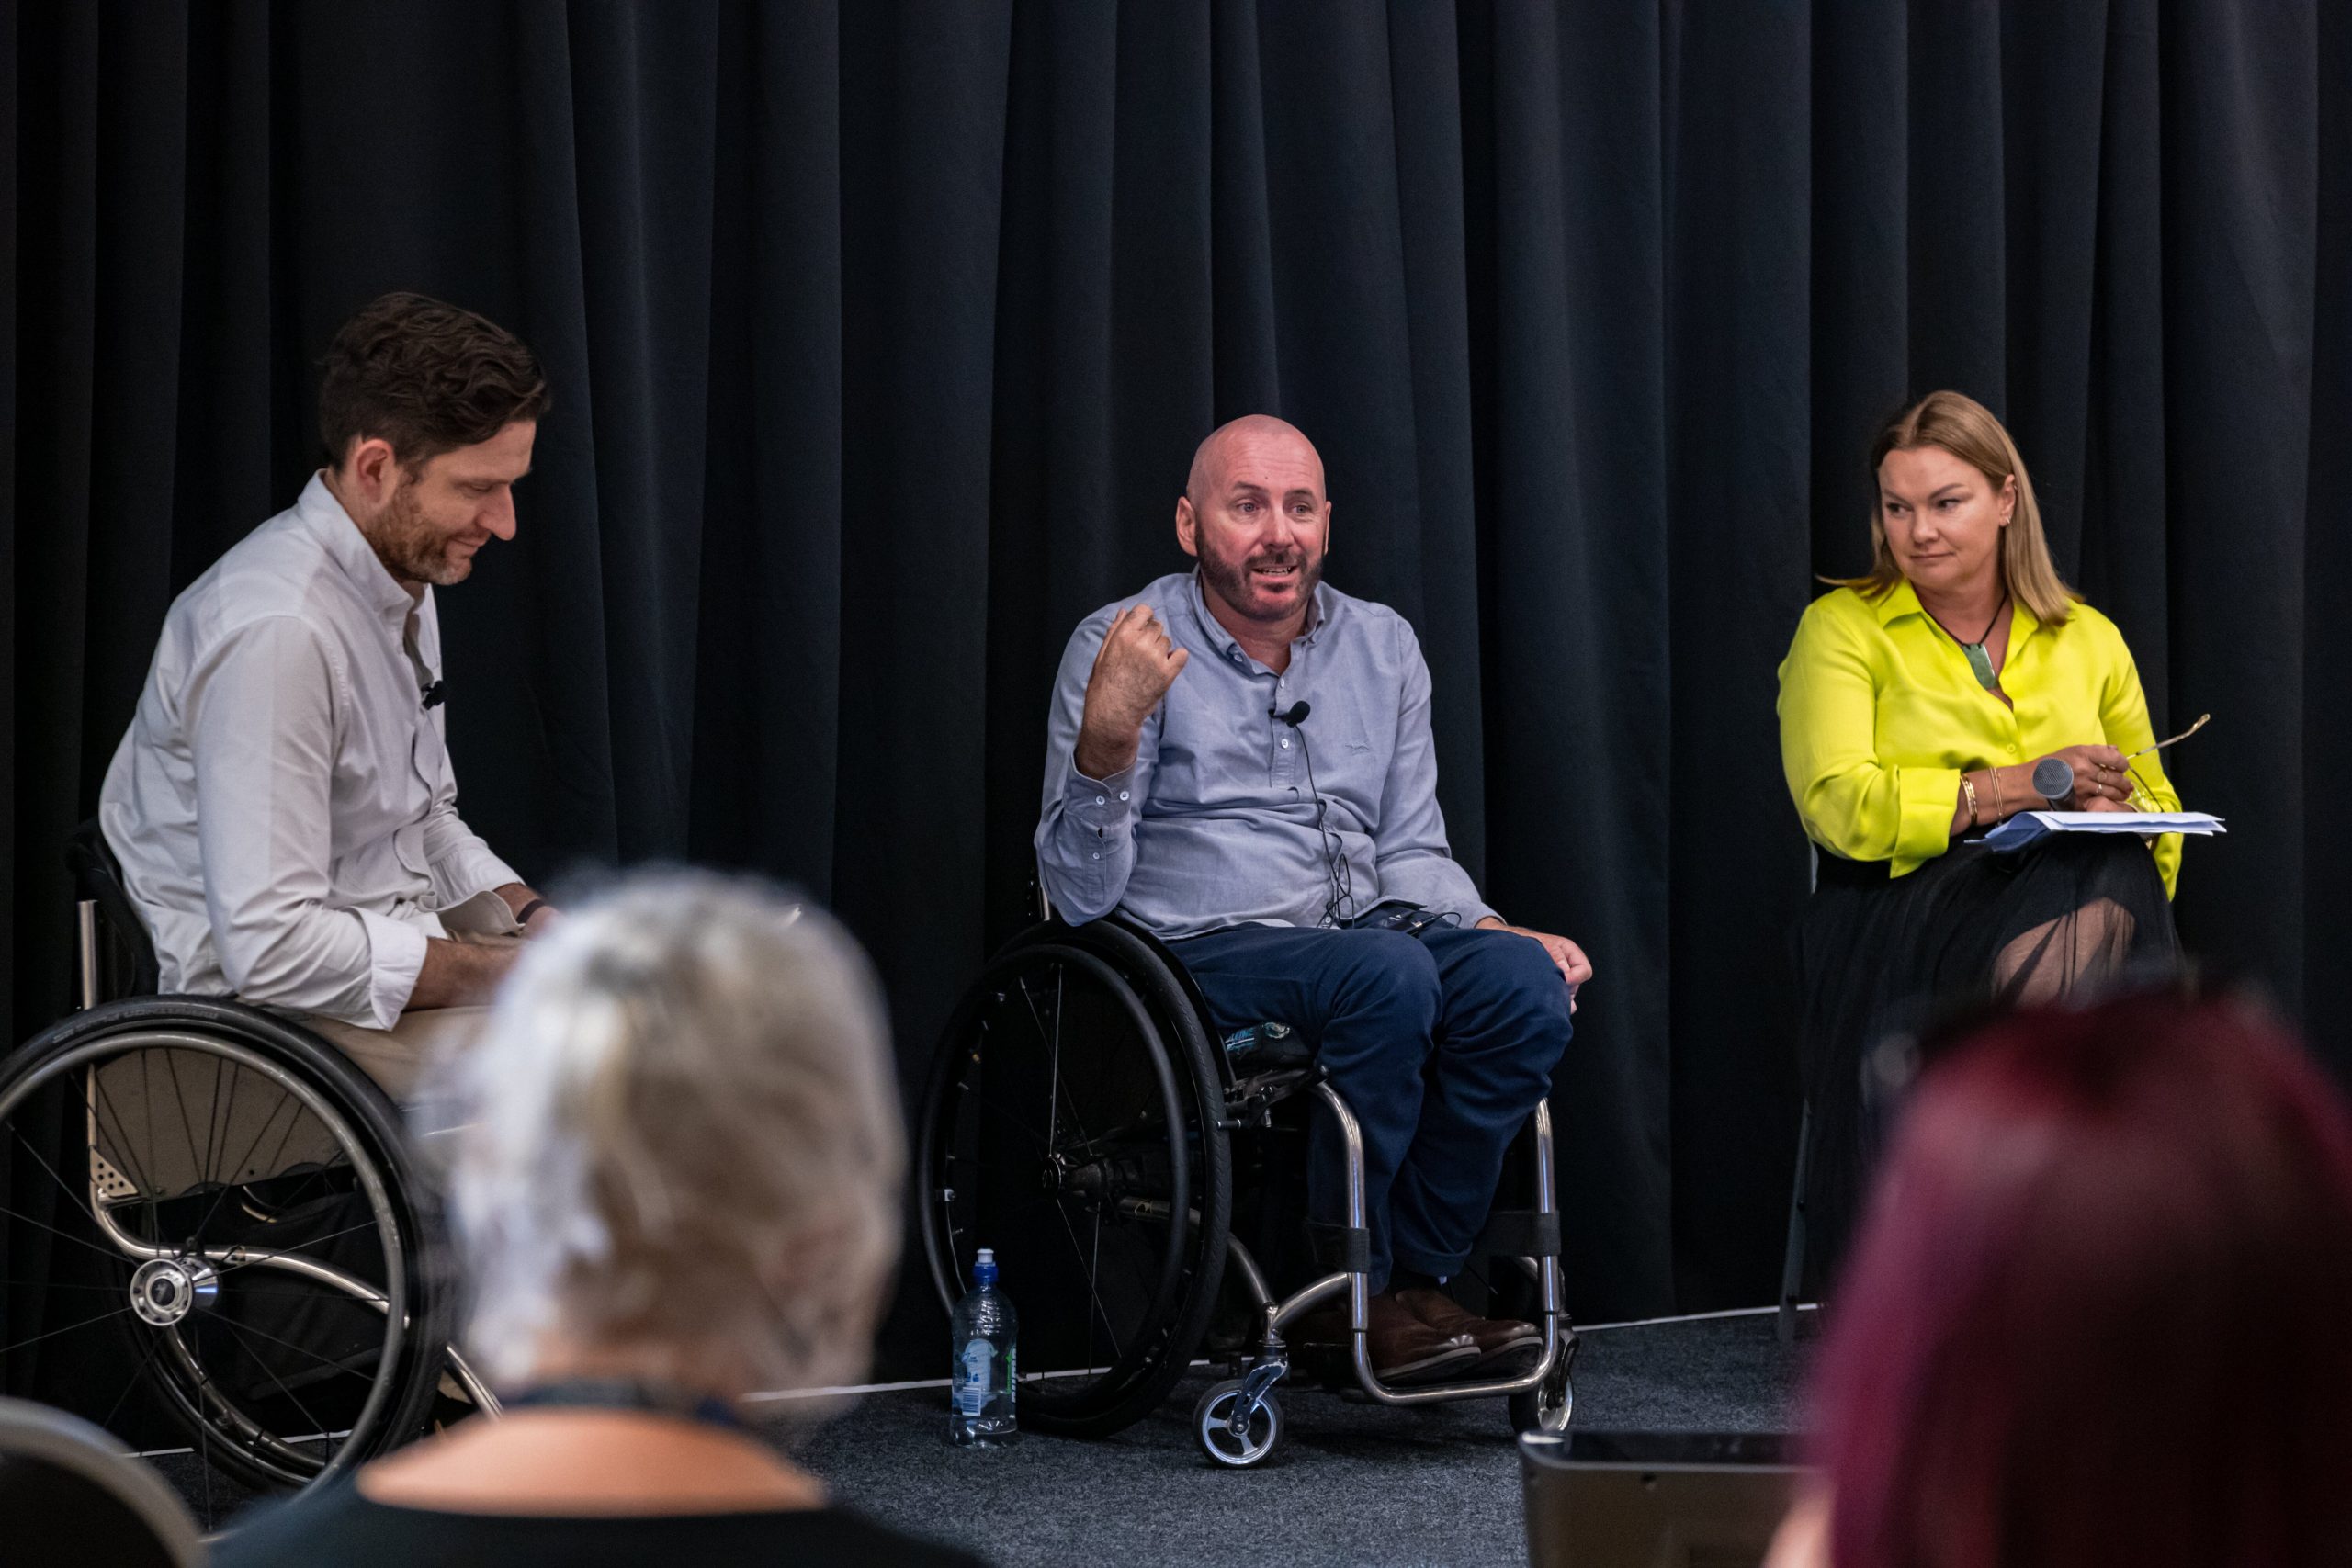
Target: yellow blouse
(1880, 716)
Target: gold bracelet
(1969, 790)
(2000, 795)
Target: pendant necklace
(1979, 661)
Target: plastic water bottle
(983, 1340)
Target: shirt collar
(1900, 600)
(1903, 600)
(1319, 619)
(324, 515)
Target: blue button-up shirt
(1215, 823)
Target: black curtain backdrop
(881, 334)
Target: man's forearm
(520, 898)
(1099, 755)
(462, 974)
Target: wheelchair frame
(1237, 1421)
(354, 1142)
(109, 1189)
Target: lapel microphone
(438, 692)
(1294, 716)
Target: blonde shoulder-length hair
(1966, 428)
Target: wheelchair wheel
(1212, 1427)
(1551, 1406)
(232, 1221)
(1073, 1122)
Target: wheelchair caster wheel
(1550, 1406)
(1212, 1426)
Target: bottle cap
(984, 1267)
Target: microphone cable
(1339, 885)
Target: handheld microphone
(435, 694)
(1294, 716)
(2054, 782)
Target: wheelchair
(1082, 1119)
(226, 1212)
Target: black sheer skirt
(1881, 957)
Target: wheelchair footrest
(1520, 1233)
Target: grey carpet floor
(1353, 1484)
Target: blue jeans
(1442, 1045)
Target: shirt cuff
(395, 957)
(1926, 798)
(466, 870)
(1472, 913)
(1099, 806)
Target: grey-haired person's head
(679, 1152)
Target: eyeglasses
(2140, 799)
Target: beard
(410, 546)
(1233, 585)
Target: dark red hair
(2101, 1309)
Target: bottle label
(972, 1376)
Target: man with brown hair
(282, 804)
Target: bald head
(1250, 441)
(1254, 513)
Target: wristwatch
(2054, 782)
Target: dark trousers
(1442, 1045)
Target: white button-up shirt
(283, 804)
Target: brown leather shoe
(1507, 1347)
(1402, 1348)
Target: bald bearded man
(1240, 761)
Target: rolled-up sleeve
(1852, 803)
(261, 715)
(1409, 846)
(1086, 832)
(459, 862)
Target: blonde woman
(1914, 705)
(676, 1182)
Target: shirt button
(1094, 857)
(1100, 801)
(1285, 744)
(1123, 794)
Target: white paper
(2027, 827)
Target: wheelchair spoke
(1108, 1329)
(267, 1370)
(264, 1255)
(1093, 1272)
(1055, 1095)
(146, 1359)
(61, 1285)
(1054, 1064)
(226, 1113)
(99, 1110)
(1014, 1117)
(222, 1197)
(53, 1333)
(71, 1196)
(212, 1115)
(279, 1153)
(303, 1352)
(107, 1252)
(147, 1094)
(187, 1128)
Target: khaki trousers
(163, 1120)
